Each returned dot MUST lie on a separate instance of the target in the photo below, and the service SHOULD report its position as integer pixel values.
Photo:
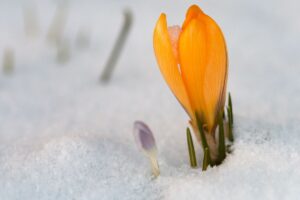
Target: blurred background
(53, 53)
(262, 36)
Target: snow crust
(63, 135)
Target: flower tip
(144, 137)
(193, 12)
(161, 21)
(194, 9)
(163, 15)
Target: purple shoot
(146, 142)
(143, 136)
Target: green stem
(230, 107)
(230, 123)
(206, 159)
(221, 148)
(193, 160)
(110, 65)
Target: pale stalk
(211, 142)
(154, 165)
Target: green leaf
(230, 107)
(221, 148)
(206, 159)
(230, 132)
(203, 141)
(193, 160)
(118, 47)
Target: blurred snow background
(63, 135)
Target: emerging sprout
(58, 24)
(30, 17)
(193, 160)
(63, 52)
(117, 49)
(146, 142)
(8, 61)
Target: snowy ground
(63, 135)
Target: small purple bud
(143, 136)
(146, 142)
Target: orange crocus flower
(193, 62)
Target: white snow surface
(64, 135)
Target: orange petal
(168, 63)
(215, 78)
(203, 60)
(191, 13)
(192, 56)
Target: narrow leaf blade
(193, 160)
(221, 148)
(230, 133)
(205, 159)
(230, 107)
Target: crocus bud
(146, 142)
(193, 61)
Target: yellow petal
(191, 13)
(215, 78)
(203, 60)
(168, 64)
(192, 56)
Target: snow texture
(64, 135)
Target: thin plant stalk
(206, 159)
(230, 124)
(193, 160)
(154, 166)
(117, 49)
(205, 146)
(222, 147)
(230, 107)
(8, 61)
(30, 17)
(56, 29)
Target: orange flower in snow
(193, 62)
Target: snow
(64, 135)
